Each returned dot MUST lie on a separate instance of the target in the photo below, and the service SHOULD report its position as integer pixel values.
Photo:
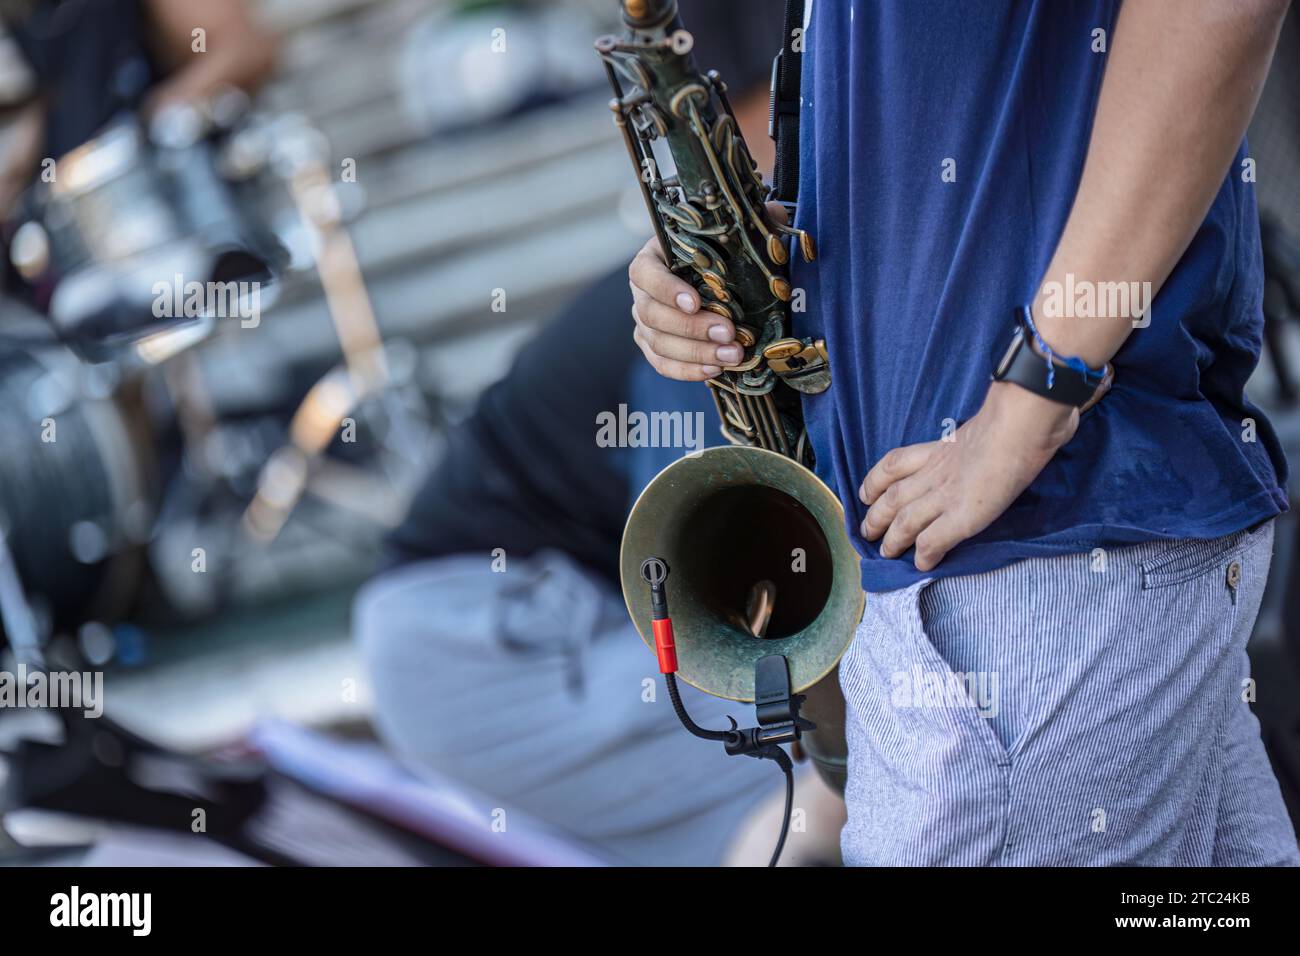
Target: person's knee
(396, 649)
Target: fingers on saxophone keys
(674, 368)
(648, 274)
(679, 348)
(715, 335)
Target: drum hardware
(134, 208)
(302, 153)
(76, 507)
(16, 613)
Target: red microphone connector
(654, 571)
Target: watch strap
(1030, 363)
(1028, 369)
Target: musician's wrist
(1042, 424)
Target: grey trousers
(1079, 710)
(531, 686)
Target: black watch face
(1004, 366)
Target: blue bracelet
(1074, 362)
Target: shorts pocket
(960, 699)
(1184, 560)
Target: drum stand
(98, 769)
(364, 374)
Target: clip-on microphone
(775, 706)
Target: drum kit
(135, 248)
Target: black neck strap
(784, 126)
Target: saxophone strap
(783, 125)
(801, 363)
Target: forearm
(20, 150)
(1181, 83)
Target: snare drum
(126, 230)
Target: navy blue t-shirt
(917, 277)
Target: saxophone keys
(803, 364)
(782, 349)
(687, 96)
(745, 337)
(745, 365)
(689, 251)
(780, 288)
(716, 285)
(717, 308)
(776, 249)
(807, 245)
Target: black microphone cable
(734, 738)
(654, 571)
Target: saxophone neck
(648, 14)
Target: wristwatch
(1030, 363)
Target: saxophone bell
(756, 542)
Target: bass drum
(74, 488)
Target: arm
(1180, 88)
(20, 150)
(239, 52)
(1181, 83)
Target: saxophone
(712, 223)
(758, 542)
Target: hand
(938, 494)
(678, 339)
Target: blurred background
(416, 188)
(449, 202)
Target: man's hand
(678, 339)
(20, 151)
(242, 53)
(938, 494)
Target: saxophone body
(762, 561)
(705, 197)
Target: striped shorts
(1090, 709)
